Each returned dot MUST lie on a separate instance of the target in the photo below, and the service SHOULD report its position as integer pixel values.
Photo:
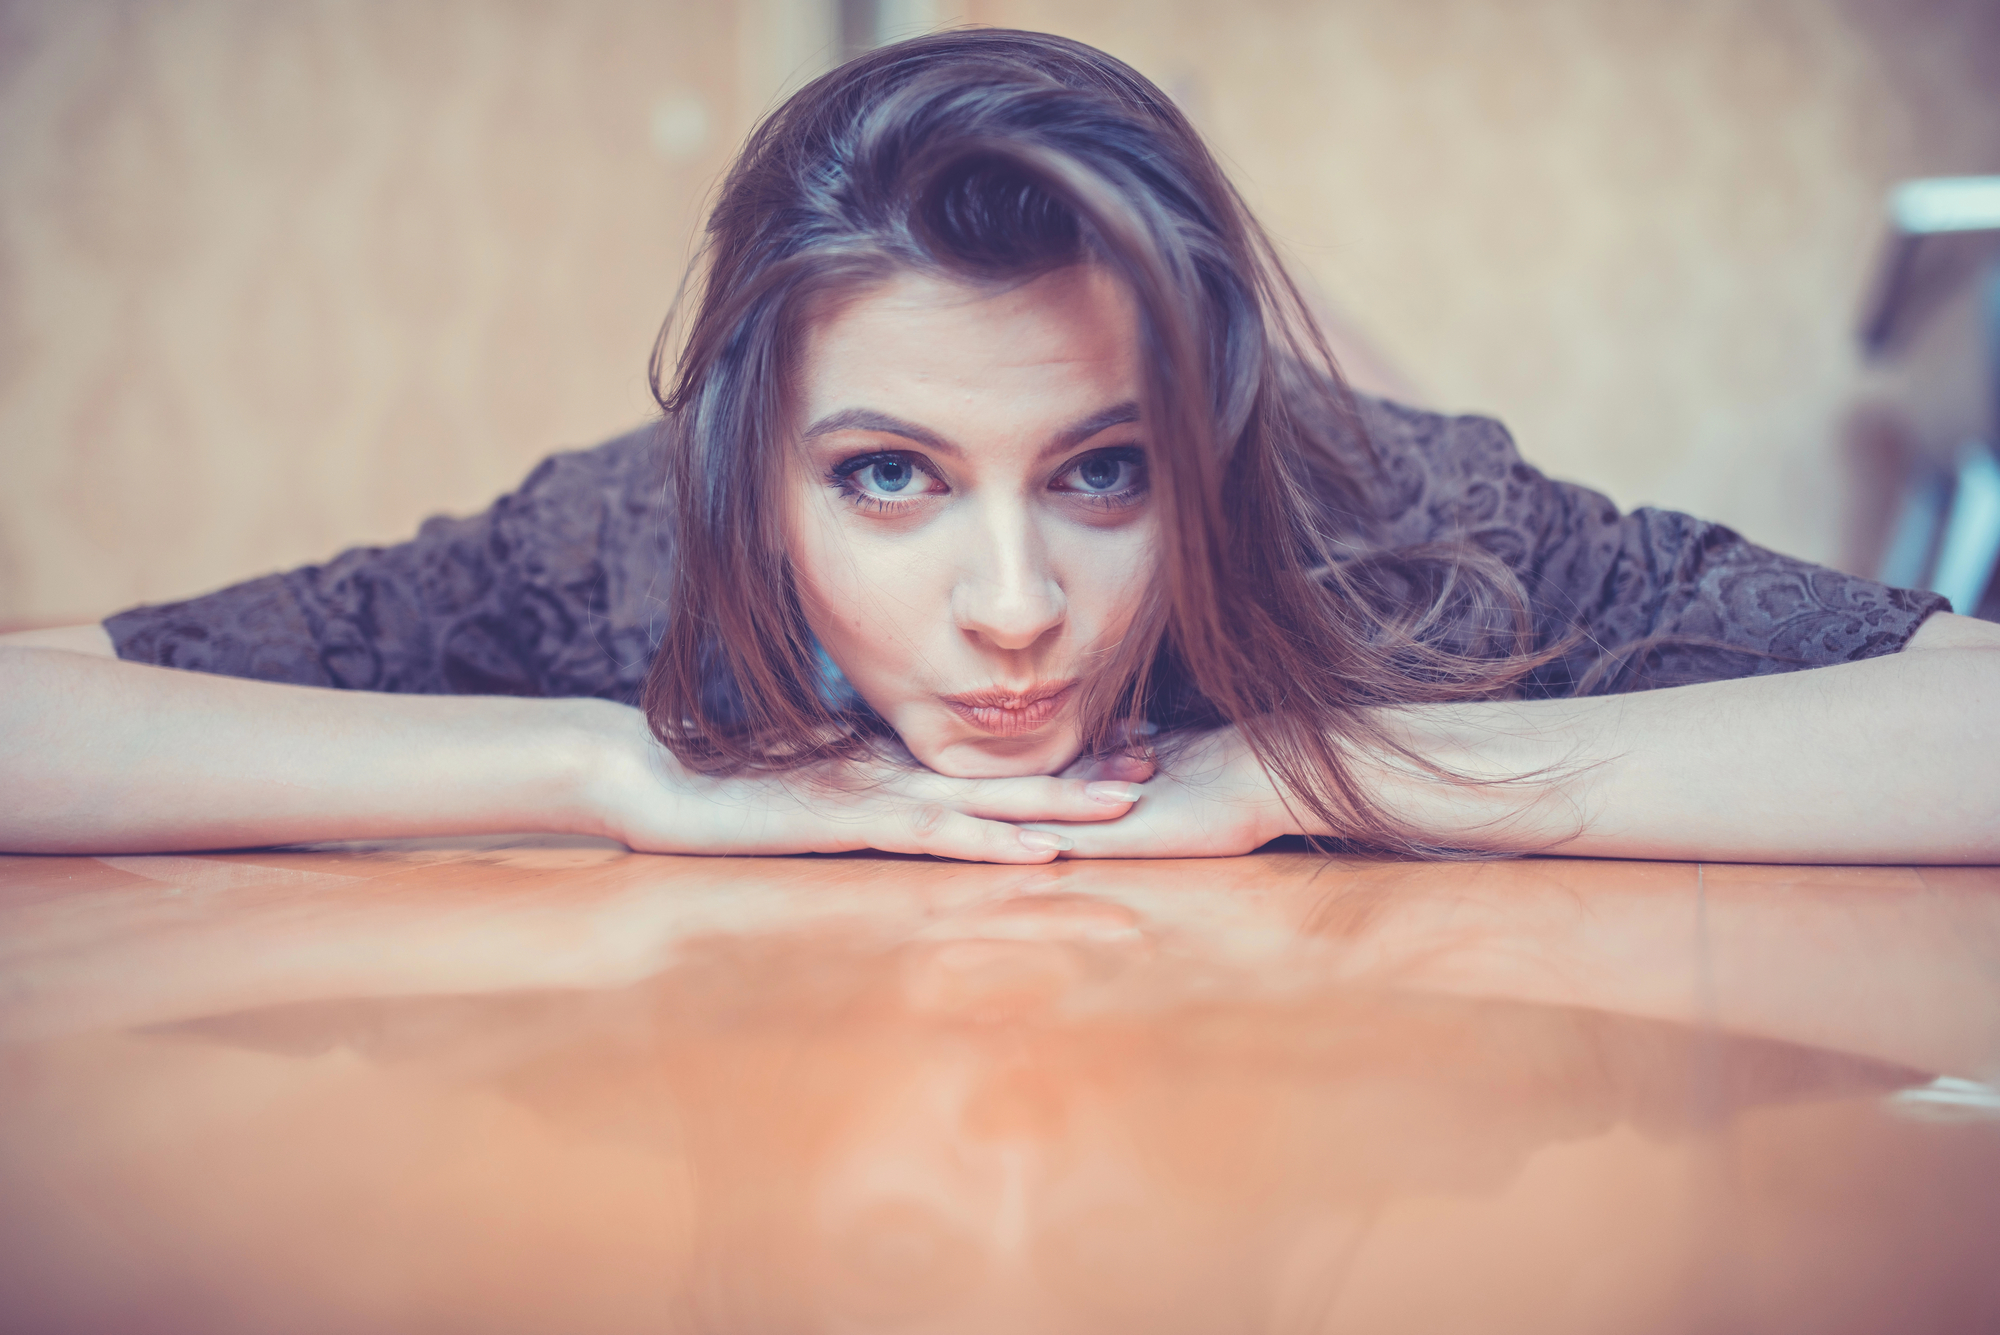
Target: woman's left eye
(1114, 475)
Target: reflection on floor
(549, 1086)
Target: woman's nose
(1007, 594)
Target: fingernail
(1042, 841)
(1120, 793)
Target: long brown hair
(992, 156)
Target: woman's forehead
(1063, 343)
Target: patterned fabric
(554, 590)
(551, 592)
(1658, 598)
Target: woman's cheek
(843, 577)
(888, 609)
(1105, 580)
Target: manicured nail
(1042, 841)
(1118, 793)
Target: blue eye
(1113, 475)
(891, 474)
(878, 481)
(1099, 473)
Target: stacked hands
(1216, 801)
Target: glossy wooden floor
(549, 1087)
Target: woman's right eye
(891, 475)
(883, 478)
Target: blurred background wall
(278, 276)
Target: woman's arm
(1890, 760)
(105, 756)
(92, 639)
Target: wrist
(1518, 787)
(1274, 812)
(595, 755)
(1279, 814)
(615, 780)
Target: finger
(1045, 798)
(937, 829)
(1122, 768)
(1168, 830)
(1128, 768)
(1127, 838)
(1083, 767)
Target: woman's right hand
(644, 798)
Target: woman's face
(969, 514)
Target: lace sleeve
(549, 592)
(1656, 598)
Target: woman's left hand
(1216, 801)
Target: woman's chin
(999, 758)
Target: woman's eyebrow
(867, 419)
(1085, 428)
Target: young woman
(1006, 505)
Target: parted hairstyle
(989, 156)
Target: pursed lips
(1005, 713)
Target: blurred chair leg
(1971, 543)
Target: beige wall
(280, 276)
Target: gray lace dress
(555, 590)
